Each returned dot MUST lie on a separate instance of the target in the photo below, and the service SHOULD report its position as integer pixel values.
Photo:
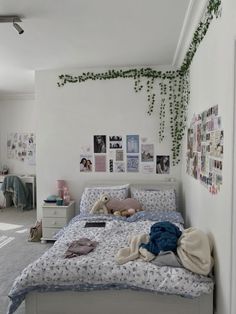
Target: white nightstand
(54, 218)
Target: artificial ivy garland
(173, 85)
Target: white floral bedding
(98, 269)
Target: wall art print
(163, 164)
(22, 147)
(205, 148)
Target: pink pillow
(115, 204)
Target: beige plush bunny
(100, 205)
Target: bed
(95, 283)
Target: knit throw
(163, 237)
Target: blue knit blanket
(163, 237)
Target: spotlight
(14, 19)
(18, 28)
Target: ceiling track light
(18, 28)
(14, 19)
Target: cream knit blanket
(133, 252)
(194, 251)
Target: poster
(132, 163)
(148, 168)
(132, 145)
(100, 163)
(22, 146)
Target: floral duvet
(98, 270)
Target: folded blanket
(194, 251)
(80, 247)
(163, 237)
(131, 253)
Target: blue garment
(20, 194)
(163, 237)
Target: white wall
(211, 80)
(69, 116)
(233, 244)
(16, 115)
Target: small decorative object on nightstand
(54, 218)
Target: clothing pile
(80, 247)
(166, 245)
(163, 237)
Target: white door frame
(233, 210)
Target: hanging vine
(213, 10)
(173, 85)
(162, 111)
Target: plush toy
(125, 212)
(126, 207)
(100, 205)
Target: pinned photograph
(119, 155)
(163, 164)
(147, 152)
(111, 165)
(115, 142)
(198, 137)
(215, 110)
(86, 164)
(99, 143)
(119, 166)
(115, 138)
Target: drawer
(54, 222)
(54, 212)
(48, 233)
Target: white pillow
(155, 199)
(92, 194)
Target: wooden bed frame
(115, 302)
(119, 301)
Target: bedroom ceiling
(86, 33)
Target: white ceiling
(86, 33)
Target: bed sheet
(98, 270)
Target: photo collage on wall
(117, 153)
(22, 147)
(205, 147)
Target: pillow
(92, 194)
(155, 200)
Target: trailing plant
(213, 10)
(173, 86)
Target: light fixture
(17, 27)
(14, 19)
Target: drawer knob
(54, 222)
(55, 212)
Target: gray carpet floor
(15, 250)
